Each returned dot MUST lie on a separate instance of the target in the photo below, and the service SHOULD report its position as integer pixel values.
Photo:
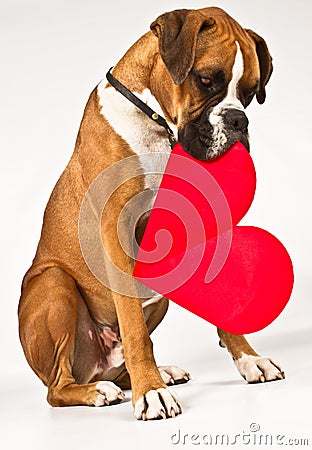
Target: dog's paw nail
(163, 414)
(144, 415)
(172, 413)
(262, 379)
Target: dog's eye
(206, 81)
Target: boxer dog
(199, 69)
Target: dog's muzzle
(213, 134)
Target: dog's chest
(146, 138)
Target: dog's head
(211, 69)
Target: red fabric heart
(238, 278)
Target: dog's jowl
(199, 70)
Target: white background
(52, 55)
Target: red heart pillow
(240, 278)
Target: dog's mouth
(211, 135)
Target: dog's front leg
(252, 367)
(151, 398)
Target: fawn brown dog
(200, 70)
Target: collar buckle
(141, 105)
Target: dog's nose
(236, 119)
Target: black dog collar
(141, 105)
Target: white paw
(158, 404)
(173, 375)
(109, 393)
(258, 370)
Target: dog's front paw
(173, 375)
(108, 394)
(255, 369)
(157, 404)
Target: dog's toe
(157, 404)
(255, 369)
(174, 375)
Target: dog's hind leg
(48, 315)
(252, 367)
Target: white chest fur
(142, 134)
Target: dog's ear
(177, 32)
(265, 62)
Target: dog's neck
(137, 75)
(137, 129)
